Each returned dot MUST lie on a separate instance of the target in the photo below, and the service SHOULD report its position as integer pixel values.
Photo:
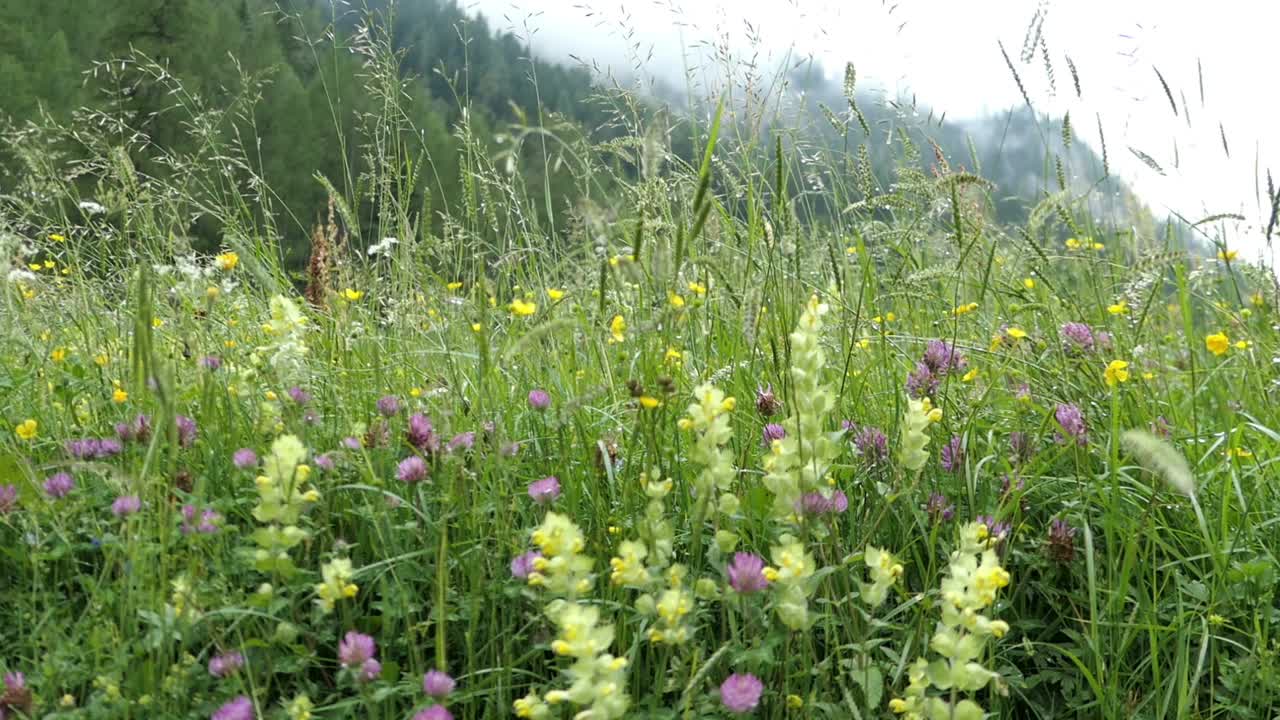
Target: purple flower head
(773, 431)
(137, 431)
(995, 529)
(351, 443)
(942, 358)
(746, 573)
(59, 486)
(125, 505)
(815, 503)
(388, 406)
(522, 565)
(872, 445)
(1072, 422)
(325, 462)
(509, 450)
(355, 648)
(539, 399)
(208, 522)
(93, 448)
(545, 490)
(435, 712)
(421, 435)
(412, 469)
(1077, 336)
(16, 696)
(210, 363)
(462, 441)
(1104, 339)
(438, 684)
(767, 404)
(186, 431)
(8, 499)
(953, 455)
(369, 670)
(244, 458)
(239, 709)
(740, 693)
(1062, 541)
(298, 395)
(939, 509)
(226, 664)
(921, 382)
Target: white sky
(945, 52)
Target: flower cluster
(282, 496)
(790, 579)
(287, 349)
(973, 579)
(336, 584)
(883, 570)
(920, 414)
(596, 679)
(708, 418)
(643, 563)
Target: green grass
(1162, 605)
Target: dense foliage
(741, 422)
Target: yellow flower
(522, 308)
(1099, 246)
(851, 250)
(34, 267)
(649, 403)
(157, 322)
(970, 376)
(1148, 376)
(617, 329)
(475, 327)
(1119, 308)
(1258, 299)
(1073, 244)
(227, 261)
(58, 355)
(352, 295)
(1016, 333)
(455, 285)
(675, 300)
(1242, 344)
(101, 359)
(1028, 283)
(57, 238)
(795, 702)
(1117, 372)
(1217, 343)
(697, 288)
(555, 294)
(119, 397)
(672, 356)
(212, 292)
(415, 392)
(964, 309)
(1239, 452)
(27, 429)
(1227, 255)
(49, 264)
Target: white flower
(21, 276)
(90, 207)
(382, 248)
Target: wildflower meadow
(714, 440)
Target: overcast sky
(945, 51)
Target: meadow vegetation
(759, 428)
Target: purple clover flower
(767, 404)
(211, 363)
(740, 693)
(137, 431)
(438, 684)
(746, 573)
(299, 396)
(435, 712)
(355, 648)
(388, 406)
(1062, 541)
(421, 434)
(815, 503)
(240, 708)
(1077, 336)
(545, 490)
(186, 431)
(997, 530)
(412, 469)
(126, 505)
(872, 445)
(463, 441)
(539, 399)
(942, 358)
(921, 382)
(226, 664)
(93, 448)
(1072, 422)
(59, 486)
(244, 458)
(522, 565)
(773, 431)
